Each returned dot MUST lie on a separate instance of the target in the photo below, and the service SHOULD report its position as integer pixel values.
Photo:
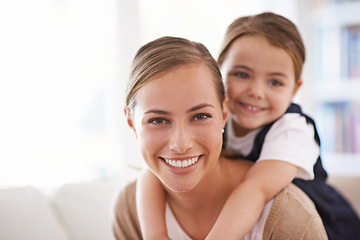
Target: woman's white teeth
(182, 163)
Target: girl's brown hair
(164, 54)
(277, 29)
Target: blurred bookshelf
(334, 33)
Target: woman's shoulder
(293, 215)
(236, 168)
(126, 223)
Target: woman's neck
(197, 210)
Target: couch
(79, 211)
(82, 211)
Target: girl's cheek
(234, 87)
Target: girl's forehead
(256, 50)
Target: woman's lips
(181, 163)
(181, 166)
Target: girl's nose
(256, 89)
(180, 141)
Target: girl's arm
(263, 182)
(150, 201)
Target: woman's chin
(180, 179)
(180, 185)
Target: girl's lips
(251, 108)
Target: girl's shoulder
(292, 122)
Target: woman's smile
(181, 163)
(182, 166)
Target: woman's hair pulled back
(166, 53)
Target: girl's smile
(251, 108)
(260, 82)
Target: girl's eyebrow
(242, 66)
(195, 108)
(280, 74)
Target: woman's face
(259, 81)
(178, 121)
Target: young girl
(261, 62)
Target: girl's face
(178, 121)
(260, 82)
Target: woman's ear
(129, 120)
(225, 110)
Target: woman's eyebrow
(200, 106)
(157, 111)
(163, 112)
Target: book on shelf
(355, 130)
(339, 127)
(328, 59)
(343, 1)
(325, 3)
(350, 47)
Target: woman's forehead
(181, 87)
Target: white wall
(64, 64)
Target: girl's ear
(297, 86)
(129, 120)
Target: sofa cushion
(348, 186)
(26, 214)
(85, 208)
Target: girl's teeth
(252, 108)
(183, 163)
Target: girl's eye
(242, 75)
(158, 121)
(201, 116)
(275, 83)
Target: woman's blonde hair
(164, 54)
(277, 29)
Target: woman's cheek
(149, 142)
(211, 138)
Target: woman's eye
(201, 116)
(158, 121)
(275, 83)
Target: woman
(176, 107)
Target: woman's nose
(256, 89)
(180, 140)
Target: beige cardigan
(292, 216)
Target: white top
(176, 232)
(290, 139)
